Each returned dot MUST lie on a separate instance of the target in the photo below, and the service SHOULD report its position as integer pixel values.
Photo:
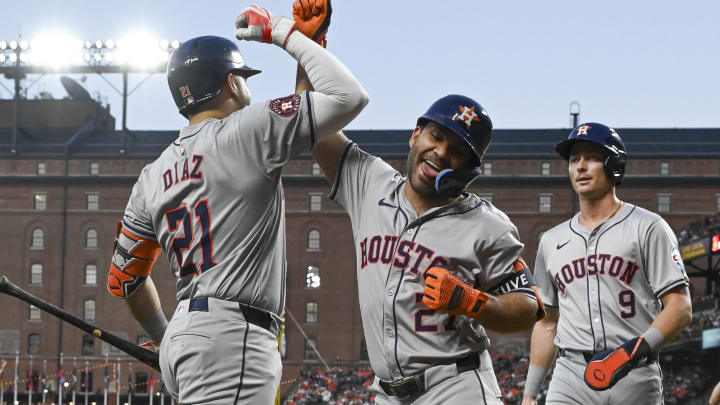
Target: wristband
(535, 378)
(155, 325)
(654, 338)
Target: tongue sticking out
(428, 170)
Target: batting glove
(257, 24)
(312, 18)
(608, 367)
(446, 292)
(152, 345)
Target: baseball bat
(144, 355)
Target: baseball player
(213, 203)
(603, 275)
(435, 264)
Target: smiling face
(434, 148)
(587, 172)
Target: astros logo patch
(583, 130)
(677, 258)
(286, 106)
(467, 115)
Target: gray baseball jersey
(607, 282)
(214, 201)
(395, 247)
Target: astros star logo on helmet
(583, 129)
(466, 115)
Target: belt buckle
(404, 387)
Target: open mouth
(429, 169)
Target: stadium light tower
(59, 53)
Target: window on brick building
(41, 168)
(86, 381)
(544, 203)
(311, 312)
(34, 343)
(34, 313)
(94, 168)
(141, 381)
(315, 201)
(312, 279)
(93, 202)
(309, 351)
(38, 239)
(664, 168)
(664, 201)
(487, 168)
(88, 345)
(91, 238)
(89, 310)
(313, 239)
(315, 170)
(36, 273)
(545, 168)
(40, 201)
(90, 274)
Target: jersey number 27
(181, 216)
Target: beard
(420, 187)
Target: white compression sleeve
(338, 96)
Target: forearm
(542, 347)
(508, 313)
(144, 305)
(675, 316)
(338, 97)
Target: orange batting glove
(606, 368)
(444, 291)
(312, 18)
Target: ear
(414, 136)
(230, 83)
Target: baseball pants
(446, 386)
(216, 357)
(642, 386)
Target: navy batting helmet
(467, 119)
(602, 135)
(197, 70)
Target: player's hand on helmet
(257, 24)
(312, 18)
(608, 367)
(445, 291)
(152, 345)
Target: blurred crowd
(699, 229)
(682, 385)
(339, 386)
(701, 321)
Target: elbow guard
(132, 260)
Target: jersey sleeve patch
(286, 106)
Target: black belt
(251, 314)
(407, 387)
(652, 357)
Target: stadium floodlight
(23, 45)
(175, 44)
(2, 58)
(3, 45)
(13, 45)
(109, 56)
(98, 44)
(13, 57)
(110, 44)
(24, 57)
(88, 44)
(164, 43)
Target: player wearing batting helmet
(613, 283)
(436, 264)
(213, 203)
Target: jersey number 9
(626, 298)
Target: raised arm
(338, 96)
